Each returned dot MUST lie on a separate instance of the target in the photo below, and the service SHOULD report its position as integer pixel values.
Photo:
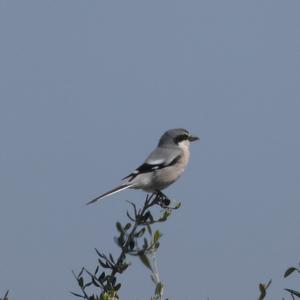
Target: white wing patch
(155, 161)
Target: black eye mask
(180, 138)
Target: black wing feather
(146, 168)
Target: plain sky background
(86, 90)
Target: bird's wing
(163, 155)
(158, 159)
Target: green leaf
(177, 206)
(96, 271)
(156, 236)
(293, 292)
(6, 295)
(127, 226)
(158, 289)
(149, 229)
(111, 258)
(75, 294)
(262, 290)
(88, 284)
(123, 267)
(121, 240)
(145, 246)
(140, 233)
(150, 217)
(268, 284)
(113, 280)
(102, 264)
(101, 277)
(145, 260)
(99, 254)
(119, 227)
(81, 282)
(95, 283)
(289, 271)
(131, 244)
(165, 216)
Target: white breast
(185, 146)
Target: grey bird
(162, 167)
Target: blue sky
(87, 88)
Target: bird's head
(178, 136)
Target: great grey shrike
(162, 167)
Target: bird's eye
(180, 138)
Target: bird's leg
(163, 200)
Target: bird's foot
(166, 203)
(162, 199)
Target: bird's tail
(111, 192)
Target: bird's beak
(193, 138)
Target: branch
(128, 239)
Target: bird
(161, 168)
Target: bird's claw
(162, 200)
